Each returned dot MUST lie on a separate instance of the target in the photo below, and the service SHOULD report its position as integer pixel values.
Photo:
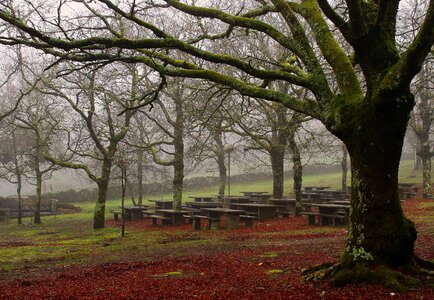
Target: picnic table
(202, 204)
(285, 206)
(162, 204)
(343, 202)
(327, 214)
(407, 190)
(219, 217)
(4, 214)
(131, 212)
(235, 199)
(316, 188)
(312, 196)
(168, 216)
(259, 210)
(253, 193)
(202, 198)
(260, 198)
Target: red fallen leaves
(219, 274)
(226, 275)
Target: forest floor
(264, 262)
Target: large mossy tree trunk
(277, 155)
(379, 233)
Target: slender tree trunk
(178, 162)
(38, 196)
(426, 181)
(19, 179)
(222, 173)
(277, 153)
(19, 185)
(102, 183)
(130, 188)
(417, 162)
(344, 166)
(178, 180)
(220, 156)
(426, 155)
(140, 177)
(297, 169)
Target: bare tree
(41, 118)
(421, 124)
(93, 140)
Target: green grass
(70, 240)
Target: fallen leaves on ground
(263, 262)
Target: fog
(61, 181)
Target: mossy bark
(102, 183)
(38, 194)
(379, 233)
(277, 153)
(344, 166)
(19, 186)
(297, 169)
(140, 177)
(220, 158)
(426, 176)
(178, 160)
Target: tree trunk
(277, 153)
(178, 161)
(37, 214)
(19, 200)
(220, 157)
(379, 233)
(417, 162)
(140, 177)
(19, 179)
(178, 181)
(102, 182)
(131, 189)
(297, 169)
(222, 173)
(344, 166)
(426, 155)
(426, 180)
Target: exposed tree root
(362, 272)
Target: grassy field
(65, 240)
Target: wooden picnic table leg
(232, 221)
(196, 223)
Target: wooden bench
(196, 220)
(251, 213)
(324, 219)
(283, 211)
(248, 220)
(116, 214)
(155, 218)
